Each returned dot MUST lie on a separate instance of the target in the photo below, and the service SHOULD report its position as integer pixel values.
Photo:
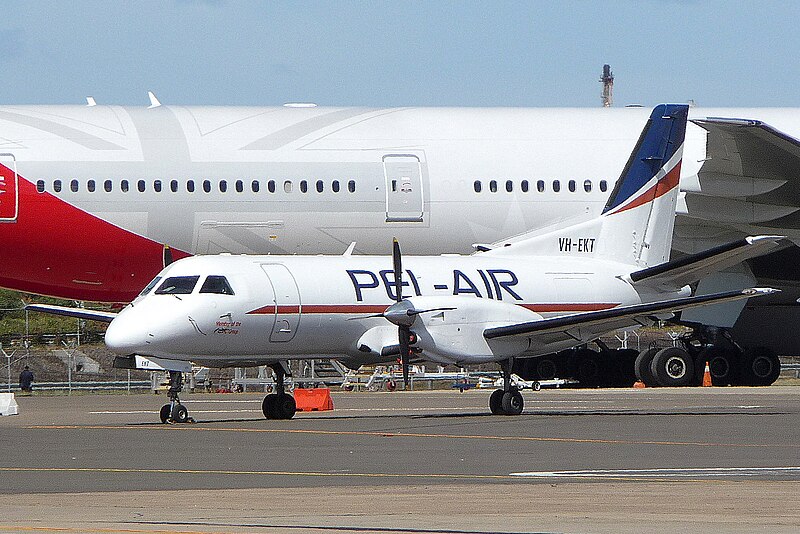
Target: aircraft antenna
(608, 86)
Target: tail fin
(637, 222)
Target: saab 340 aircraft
(532, 297)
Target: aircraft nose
(124, 338)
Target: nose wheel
(174, 411)
(279, 405)
(506, 401)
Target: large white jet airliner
(540, 294)
(94, 200)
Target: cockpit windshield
(178, 285)
(216, 284)
(150, 286)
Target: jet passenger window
(108, 186)
(207, 186)
(524, 186)
(73, 185)
(239, 186)
(335, 186)
(477, 186)
(178, 285)
(287, 186)
(141, 186)
(303, 186)
(351, 186)
(587, 186)
(271, 186)
(157, 186)
(540, 186)
(603, 186)
(190, 186)
(223, 186)
(493, 186)
(571, 185)
(320, 186)
(57, 186)
(40, 186)
(255, 186)
(556, 186)
(216, 284)
(124, 186)
(509, 186)
(173, 186)
(90, 185)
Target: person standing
(26, 380)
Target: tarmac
(618, 460)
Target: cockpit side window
(150, 286)
(178, 285)
(216, 284)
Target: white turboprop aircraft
(539, 294)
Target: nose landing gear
(279, 405)
(175, 412)
(506, 401)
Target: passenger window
(351, 186)
(255, 186)
(239, 186)
(150, 286)
(90, 186)
(493, 186)
(509, 186)
(271, 186)
(124, 186)
(190, 186)
(107, 185)
(287, 186)
(556, 186)
(223, 186)
(320, 186)
(40, 186)
(216, 284)
(603, 186)
(173, 186)
(335, 186)
(524, 186)
(57, 186)
(571, 185)
(73, 185)
(207, 186)
(540, 186)
(303, 186)
(587, 186)
(157, 186)
(140, 186)
(477, 186)
(178, 285)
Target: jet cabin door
(403, 188)
(286, 297)
(9, 188)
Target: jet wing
(687, 269)
(578, 325)
(80, 313)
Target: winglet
(154, 103)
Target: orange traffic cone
(707, 376)
(638, 384)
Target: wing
(80, 313)
(583, 325)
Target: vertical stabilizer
(638, 219)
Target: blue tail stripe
(660, 139)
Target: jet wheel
(512, 402)
(180, 414)
(496, 402)
(164, 413)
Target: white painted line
(708, 472)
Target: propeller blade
(405, 350)
(417, 312)
(398, 270)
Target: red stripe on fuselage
(57, 249)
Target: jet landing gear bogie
(279, 405)
(506, 401)
(175, 412)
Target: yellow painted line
(454, 476)
(415, 435)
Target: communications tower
(608, 86)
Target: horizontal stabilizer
(687, 269)
(620, 317)
(80, 313)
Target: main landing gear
(279, 405)
(175, 412)
(506, 401)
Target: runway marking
(18, 528)
(339, 474)
(389, 434)
(687, 472)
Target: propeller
(404, 327)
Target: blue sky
(376, 53)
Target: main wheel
(268, 406)
(496, 402)
(721, 365)
(760, 366)
(164, 413)
(672, 367)
(512, 402)
(180, 414)
(588, 368)
(641, 367)
(621, 362)
(285, 406)
(546, 368)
